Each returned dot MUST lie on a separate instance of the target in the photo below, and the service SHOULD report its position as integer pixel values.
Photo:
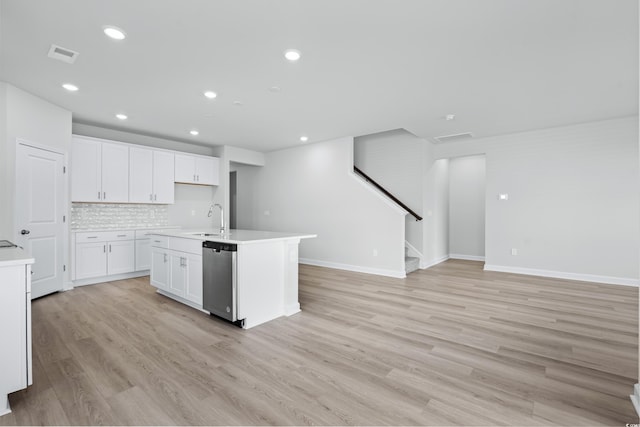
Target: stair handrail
(386, 193)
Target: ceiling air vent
(454, 137)
(63, 54)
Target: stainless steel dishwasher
(219, 290)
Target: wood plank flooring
(451, 345)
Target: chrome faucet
(221, 215)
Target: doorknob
(24, 232)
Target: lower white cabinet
(103, 253)
(15, 324)
(121, 257)
(177, 271)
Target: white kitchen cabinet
(176, 267)
(193, 266)
(194, 169)
(99, 171)
(163, 177)
(160, 268)
(15, 324)
(151, 176)
(103, 253)
(177, 284)
(86, 170)
(121, 257)
(115, 173)
(143, 254)
(91, 260)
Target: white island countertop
(14, 256)
(239, 237)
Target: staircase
(411, 263)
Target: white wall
(192, 206)
(394, 159)
(136, 138)
(436, 200)
(35, 120)
(311, 189)
(573, 200)
(467, 207)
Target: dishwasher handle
(219, 246)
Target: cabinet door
(91, 260)
(85, 170)
(194, 278)
(185, 168)
(143, 254)
(178, 272)
(207, 170)
(115, 173)
(163, 177)
(13, 329)
(160, 268)
(121, 257)
(140, 175)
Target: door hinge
(64, 169)
(64, 218)
(64, 268)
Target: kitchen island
(265, 270)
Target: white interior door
(39, 215)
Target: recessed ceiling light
(450, 117)
(210, 94)
(274, 89)
(114, 32)
(237, 103)
(304, 138)
(121, 116)
(292, 54)
(70, 87)
(194, 132)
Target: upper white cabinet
(100, 171)
(151, 174)
(194, 169)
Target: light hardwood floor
(451, 345)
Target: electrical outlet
(514, 251)
(375, 252)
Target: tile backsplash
(88, 216)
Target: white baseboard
(624, 281)
(113, 278)
(635, 398)
(434, 262)
(466, 257)
(291, 309)
(399, 274)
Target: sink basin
(207, 234)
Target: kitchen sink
(207, 234)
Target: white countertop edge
(14, 256)
(238, 237)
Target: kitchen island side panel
(260, 279)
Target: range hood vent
(62, 54)
(454, 137)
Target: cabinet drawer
(160, 241)
(192, 246)
(103, 236)
(119, 235)
(92, 236)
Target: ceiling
(500, 66)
